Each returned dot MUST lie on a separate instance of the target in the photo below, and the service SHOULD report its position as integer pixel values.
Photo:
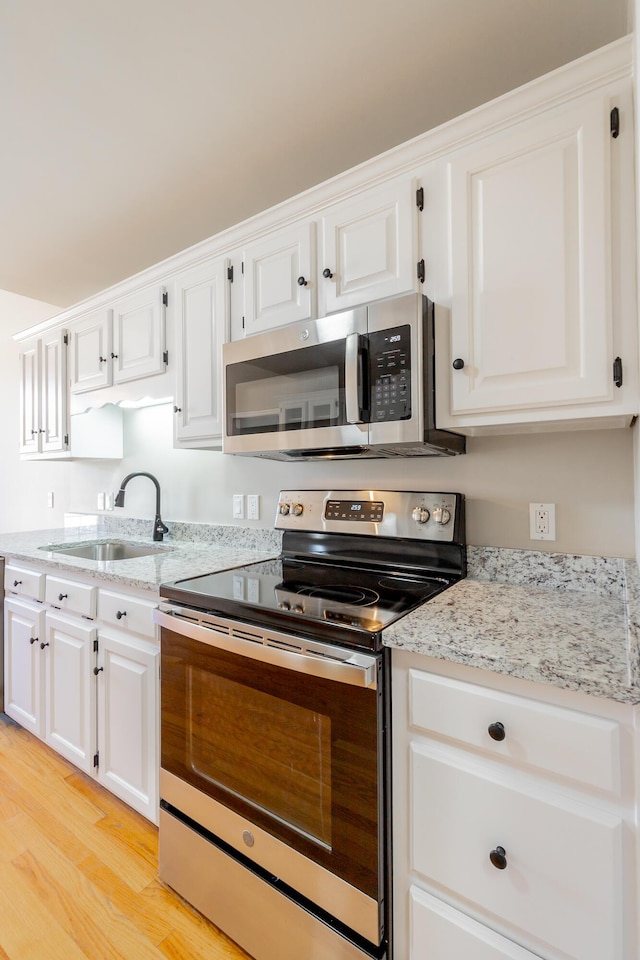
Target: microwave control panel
(390, 374)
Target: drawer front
(132, 614)
(537, 735)
(25, 583)
(79, 598)
(562, 885)
(438, 932)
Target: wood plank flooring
(78, 870)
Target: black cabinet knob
(96, 670)
(327, 273)
(102, 359)
(114, 356)
(17, 583)
(302, 282)
(177, 409)
(458, 364)
(43, 645)
(33, 640)
(498, 858)
(63, 596)
(496, 730)
(120, 614)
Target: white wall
(587, 474)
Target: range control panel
(383, 513)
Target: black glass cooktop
(282, 591)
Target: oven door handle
(358, 669)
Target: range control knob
(283, 508)
(420, 514)
(296, 509)
(441, 515)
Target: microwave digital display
(390, 374)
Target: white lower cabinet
(500, 849)
(127, 755)
(86, 684)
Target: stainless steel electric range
(275, 718)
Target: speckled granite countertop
(189, 550)
(568, 621)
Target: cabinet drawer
(69, 595)
(562, 884)
(26, 583)
(132, 614)
(438, 932)
(559, 741)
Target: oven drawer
(557, 851)
(25, 583)
(535, 735)
(79, 598)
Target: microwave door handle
(352, 378)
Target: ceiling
(131, 129)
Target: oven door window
(297, 755)
(296, 390)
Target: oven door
(276, 748)
(299, 388)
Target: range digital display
(358, 510)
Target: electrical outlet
(542, 521)
(238, 506)
(253, 506)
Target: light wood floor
(78, 870)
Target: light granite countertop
(567, 621)
(189, 550)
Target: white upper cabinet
(44, 415)
(120, 343)
(279, 278)
(368, 247)
(535, 233)
(202, 298)
(367, 251)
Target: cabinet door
(201, 327)
(139, 335)
(368, 246)
(69, 689)
(531, 301)
(128, 720)
(30, 397)
(54, 416)
(90, 352)
(23, 676)
(279, 278)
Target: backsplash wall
(587, 474)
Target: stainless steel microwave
(355, 384)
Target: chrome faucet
(159, 528)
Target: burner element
(358, 596)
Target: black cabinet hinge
(243, 267)
(65, 339)
(615, 123)
(95, 646)
(230, 274)
(421, 271)
(165, 357)
(66, 439)
(165, 299)
(96, 760)
(420, 198)
(617, 372)
(243, 323)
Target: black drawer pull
(120, 614)
(63, 596)
(498, 858)
(497, 731)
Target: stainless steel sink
(105, 550)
